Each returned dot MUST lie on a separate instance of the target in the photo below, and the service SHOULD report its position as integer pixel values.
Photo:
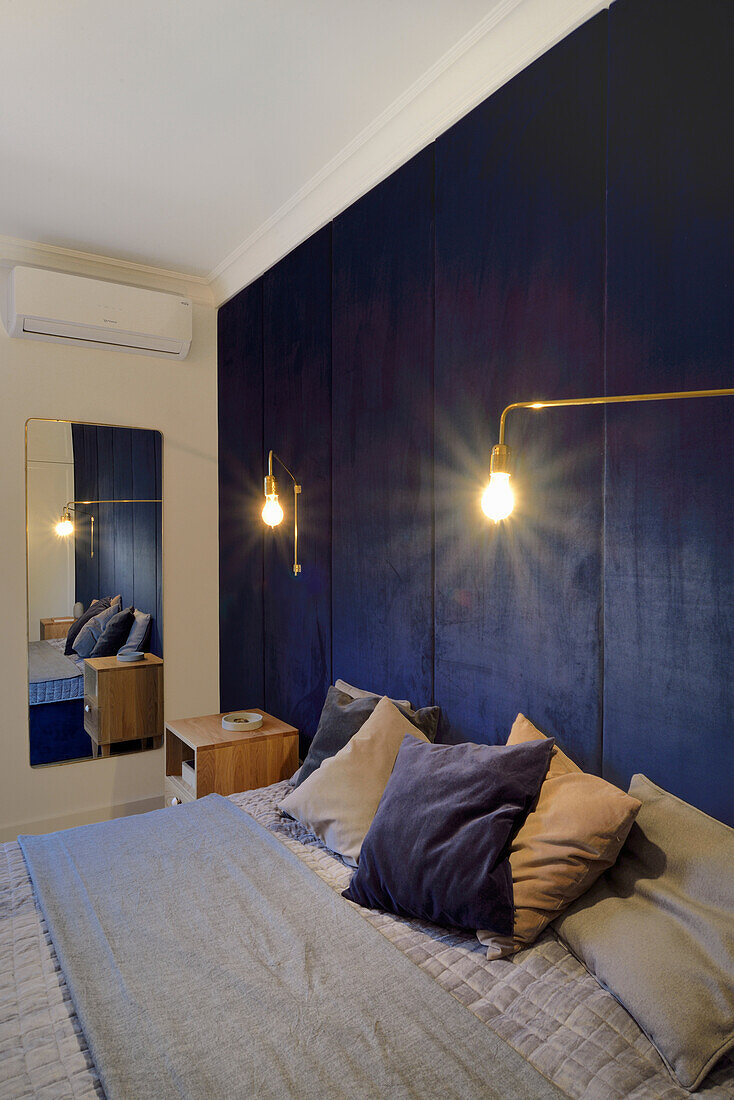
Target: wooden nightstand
(225, 762)
(55, 628)
(123, 701)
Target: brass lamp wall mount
(65, 526)
(272, 512)
(498, 499)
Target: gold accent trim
(673, 395)
(117, 500)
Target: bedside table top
(112, 662)
(206, 731)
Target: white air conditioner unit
(72, 309)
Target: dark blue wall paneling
(495, 267)
(297, 426)
(382, 436)
(119, 464)
(241, 500)
(519, 315)
(669, 579)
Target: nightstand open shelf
(225, 762)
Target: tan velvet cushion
(575, 832)
(338, 801)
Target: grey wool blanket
(206, 960)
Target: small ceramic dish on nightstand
(241, 721)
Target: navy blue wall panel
(603, 609)
(669, 581)
(519, 315)
(240, 357)
(382, 436)
(119, 464)
(297, 426)
(86, 567)
(147, 548)
(103, 519)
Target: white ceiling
(171, 133)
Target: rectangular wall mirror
(95, 612)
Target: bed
(56, 702)
(53, 677)
(541, 1002)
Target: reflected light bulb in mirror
(64, 527)
(272, 512)
(498, 499)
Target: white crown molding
(196, 287)
(509, 38)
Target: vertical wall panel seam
(433, 429)
(331, 452)
(262, 460)
(605, 450)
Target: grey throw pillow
(93, 629)
(78, 625)
(342, 717)
(114, 634)
(361, 693)
(657, 931)
(139, 631)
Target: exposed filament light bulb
(64, 527)
(272, 512)
(498, 499)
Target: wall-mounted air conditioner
(72, 309)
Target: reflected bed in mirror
(94, 539)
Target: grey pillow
(360, 693)
(114, 634)
(81, 621)
(426, 723)
(93, 629)
(657, 931)
(343, 716)
(139, 631)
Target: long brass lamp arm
(133, 500)
(71, 505)
(674, 395)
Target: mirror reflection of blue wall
(113, 551)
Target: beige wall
(179, 398)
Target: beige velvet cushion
(338, 801)
(575, 832)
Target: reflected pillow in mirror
(76, 627)
(139, 632)
(115, 633)
(91, 632)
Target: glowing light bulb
(498, 499)
(272, 512)
(64, 527)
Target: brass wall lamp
(498, 499)
(65, 526)
(272, 512)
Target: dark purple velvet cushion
(438, 846)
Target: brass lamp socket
(500, 460)
(271, 487)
